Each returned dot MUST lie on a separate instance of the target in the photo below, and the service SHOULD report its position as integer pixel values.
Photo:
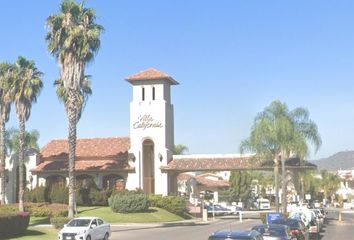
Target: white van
(263, 204)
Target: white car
(85, 228)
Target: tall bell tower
(151, 130)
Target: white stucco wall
(11, 166)
(151, 119)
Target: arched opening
(148, 167)
(55, 180)
(85, 181)
(113, 181)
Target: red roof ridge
(88, 147)
(150, 74)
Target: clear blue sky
(232, 58)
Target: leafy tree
(276, 133)
(180, 149)
(7, 71)
(25, 89)
(13, 140)
(330, 183)
(73, 38)
(240, 186)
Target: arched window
(55, 180)
(153, 93)
(113, 181)
(85, 181)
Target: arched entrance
(113, 181)
(56, 180)
(85, 181)
(148, 167)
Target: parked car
(260, 204)
(234, 209)
(297, 227)
(228, 235)
(85, 228)
(314, 229)
(217, 210)
(319, 217)
(274, 232)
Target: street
(333, 230)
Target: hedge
(13, 224)
(37, 209)
(129, 202)
(59, 194)
(58, 222)
(173, 204)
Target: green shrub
(41, 212)
(99, 198)
(82, 197)
(173, 204)
(58, 222)
(59, 194)
(37, 195)
(129, 202)
(46, 209)
(8, 209)
(14, 224)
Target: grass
(154, 215)
(39, 220)
(38, 233)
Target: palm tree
(73, 38)
(330, 183)
(25, 90)
(180, 149)
(6, 76)
(277, 133)
(12, 140)
(84, 93)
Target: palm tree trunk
(276, 183)
(283, 185)
(2, 160)
(21, 163)
(72, 116)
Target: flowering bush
(14, 224)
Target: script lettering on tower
(146, 121)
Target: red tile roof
(88, 147)
(150, 74)
(83, 165)
(207, 179)
(226, 162)
(208, 162)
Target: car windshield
(271, 231)
(292, 223)
(79, 223)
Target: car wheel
(105, 236)
(88, 237)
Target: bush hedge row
(37, 209)
(129, 202)
(60, 194)
(173, 204)
(58, 222)
(13, 224)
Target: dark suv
(225, 234)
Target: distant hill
(340, 160)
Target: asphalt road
(334, 230)
(339, 230)
(199, 231)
